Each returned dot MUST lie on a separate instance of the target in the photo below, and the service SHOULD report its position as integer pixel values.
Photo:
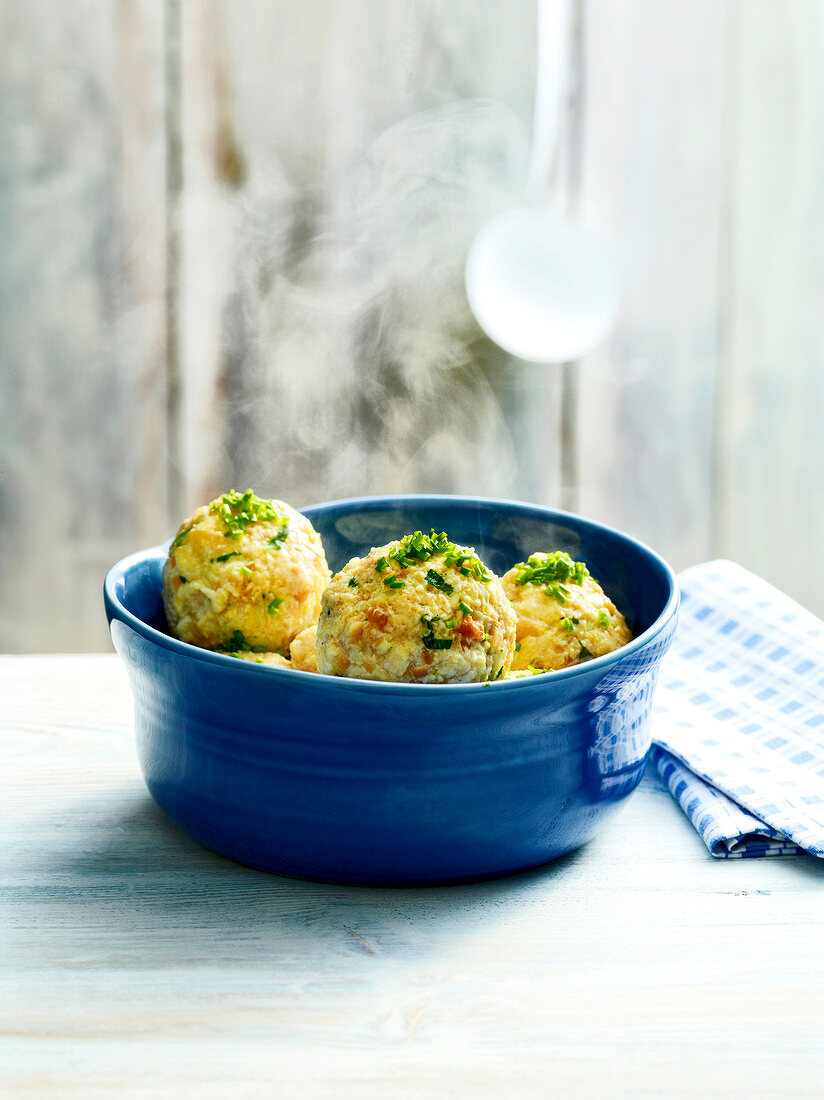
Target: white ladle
(539, 286)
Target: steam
(354, 365)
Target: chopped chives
(429, 639)
(280, 537)
(546, 569)
(421, 547)
(559, 591)
(180, 537)
(437, 581)
(237, 643)
(240, 510)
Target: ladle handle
(551, 61)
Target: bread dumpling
(273, 660)
(564, 616)
(419, 610)
(244, 574)
(303, 650)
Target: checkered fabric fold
(738, 726)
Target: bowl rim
(117, 610)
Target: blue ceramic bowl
(364, 782)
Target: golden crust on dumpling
(244, 574)
(564, 616)
(303, 650)
(420, 610)
(273, 660)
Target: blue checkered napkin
(726, 828)
(739, 715)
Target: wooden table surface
(136, 964)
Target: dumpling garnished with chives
(419, 610)
(564, 616)
(244, 575)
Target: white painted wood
(337, 157)
(652, 164)
(212, 170)
(377, 138)
(136, 964)
(771, 445)
(82, 378)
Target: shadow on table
(141, 870)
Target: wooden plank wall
(652, 186)
(231, 244)
(82, 357)
(771, 446)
